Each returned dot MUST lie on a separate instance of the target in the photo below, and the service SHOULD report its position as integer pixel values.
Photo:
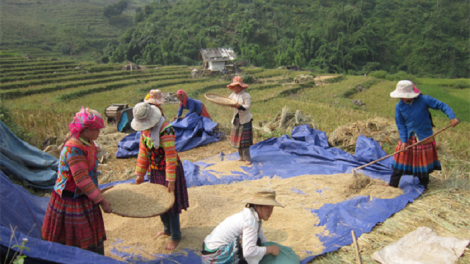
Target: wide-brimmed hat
(404, 90)
(154, 97)
(265, 196)
(146, 116)
(238, 80)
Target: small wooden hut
(215, 59)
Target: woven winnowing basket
(139, 201)
(219, 99)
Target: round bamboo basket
(139, 200)
(220, 99)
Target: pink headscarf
(86, 118)
(415, 89)
(185, 96)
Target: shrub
(352, 72)
(378, 74)
(248, 79)
(461, 84)
(401, 75)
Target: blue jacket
(415, 116)
(192, 105)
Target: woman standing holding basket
(73, 216)
(241, 136)
(158, 159)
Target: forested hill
(423, 37)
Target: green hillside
(45, 28)
(422, 37)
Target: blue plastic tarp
(128, 146)
(276, 156)
(192, 131)
(23, 162)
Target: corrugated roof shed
(217, 54)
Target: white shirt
(243, 99)
(247, 223)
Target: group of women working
(73, 215)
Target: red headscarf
(185, 97)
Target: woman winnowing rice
(159, 160)
(238, 238)
(241, 136)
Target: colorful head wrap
(86, 118)
(185, 97)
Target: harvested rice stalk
(380, 129)
(286, 121)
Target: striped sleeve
(142, 158)
(171, 156)
(79, 169)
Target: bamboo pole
(358, 256)
(417, 143)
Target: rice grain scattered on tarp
(139, 200)
(292, 226)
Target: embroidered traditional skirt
(74, 222)
(204, 112)
(418, 161)
(181, 192)
(241, 136)
(225, 254)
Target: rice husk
(292, 226)
(139, 200)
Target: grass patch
(452, 83)
(460, 102)
(359, 88)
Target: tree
(116, 9)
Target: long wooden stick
(358, 256)
(417, 143)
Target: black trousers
(396, 176)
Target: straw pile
(139, 200)
(292, 226)
(380, 129)
(285, 121)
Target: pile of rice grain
(292, 226)
(139, 200)
(223, 167)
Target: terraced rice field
(44, 94)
